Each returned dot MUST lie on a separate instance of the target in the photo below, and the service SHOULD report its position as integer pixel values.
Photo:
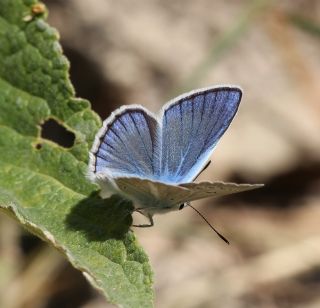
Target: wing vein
(144, 145)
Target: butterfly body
(150, 197)
(152, 160)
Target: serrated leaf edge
(47, 236)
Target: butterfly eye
(181, 206)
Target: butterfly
(153, 160)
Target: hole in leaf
(38, 146)
(57, 133)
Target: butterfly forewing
(127, 144)
(191, 127)
(133, 143)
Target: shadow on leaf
(101, 219)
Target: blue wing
(192, 124)
(127, 144)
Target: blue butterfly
(153, 160)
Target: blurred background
(147, 51)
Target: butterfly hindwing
(149, 193)
(215, 189)
(191, 126)
(153, 194)
(127, 144)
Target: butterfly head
(183, 205)
(161, 207)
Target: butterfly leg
(145, 225)
(139, 210)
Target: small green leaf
(43, 185)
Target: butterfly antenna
(220, 235)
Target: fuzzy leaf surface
(42, 184)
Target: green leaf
(43, 185)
